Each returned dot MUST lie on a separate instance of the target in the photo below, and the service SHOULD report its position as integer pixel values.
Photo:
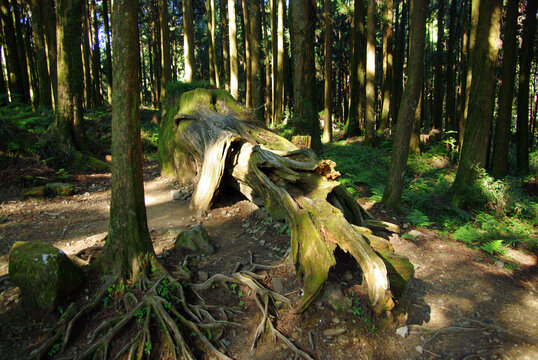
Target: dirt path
(460, 304)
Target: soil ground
(460, 303)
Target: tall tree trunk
(327, 99)
(225, 46)
(210, 13)
(387, 64)
(88, 81)
(438, 80)
(166, 72)
(234, 61)
(358, 72)
(69, 120)
(303, 15)
(256, 59)
(450, 123)
(527, 54)
(15, 76)
(96, 56)
(506, 96)
(188, 41)
(21, 50)
(481, 99)
(469, 78)
(45, 92)
(409, 107)
(30, 59)
(278, 60)
(128, 249)
(155, 29)
(369, 114)
(268, 73)
(49, 17)
(399, 58)
(246, 36)
(108, 63)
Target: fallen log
(207, 138)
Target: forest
(268, 179)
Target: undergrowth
(502, 215)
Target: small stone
(342, 340)
(295, 335)
(203, 275)
(499, 264)
(419, 349)
(334, 332)
(415, 233)
(336, 320)
(402, 331)
(262, 242)
(348, 276)
(224, 212)
(277, 284)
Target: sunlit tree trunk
(49, 17)
(438, 80)
(358, 72)
(327, 97)
(69, 120)
(481, 99)
(246, 36)
(268, 73)
(166, 72)
(278, 59)
(234, 61)
(369, 114)
(45, 91)
(213, 71)
(188, 40)
(96, 63)
(409, 106)
(225, 46)
(15, 77)
(305, 117)
(88, 81)
(506, 96)
(387, 64)
(527, 54)
(399, 51)
(450, 123)
(108, 63)
(128, 250)
(256, 59)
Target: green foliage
(176, 88)
(494, 247)
(417, 218)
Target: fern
(417, 218)
(494, 247)
(467, 234)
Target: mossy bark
(227, 144)
(128, 249)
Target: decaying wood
(220, 137)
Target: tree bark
(268, 74)
(15, 77)
(188, 41)
(246, 36)
(227, 146)
(303, 14)
(439, 82)
(128, 249)
(358, 72)
(166, 72)
(506, 96)
(387, 65)
(369, 113)
(69, 110)
(409, 107)
(88, 81)
(45, 91)
(481, 100)
(450, 116)
(234, 62)
(397, 73)
(256, 59)
(49, 16)
(213, 70)
(224, 39)
(21, 50)
(527, 51)
(108, 63)
(96, 56)
(277, 28)
(327, 97)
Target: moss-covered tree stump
(207, 138)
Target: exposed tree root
(160, 301)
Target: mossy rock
(195, 240)
(52, 189)
(43, 273)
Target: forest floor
(460, 303)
